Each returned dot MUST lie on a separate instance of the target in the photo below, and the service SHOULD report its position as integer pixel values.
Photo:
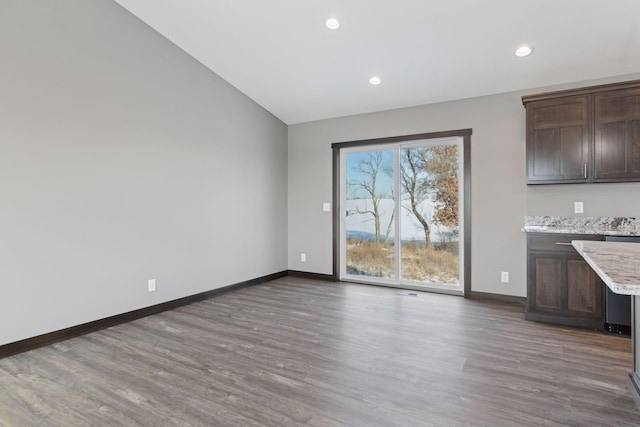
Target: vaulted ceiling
(280, 54)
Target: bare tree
(412, 179)
(371, 166)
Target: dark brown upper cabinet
(584, 135)
(558, 140)
(617, 135)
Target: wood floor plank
(301, 352)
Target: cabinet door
(585, 290)
(617, 135)
(558, 140)
(548, 282)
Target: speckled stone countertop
(604, 225)
(617, 263)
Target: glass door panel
(369, 207)
(429, 210)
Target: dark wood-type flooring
(299, 352)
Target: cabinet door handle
(563, 244)
(585, 171)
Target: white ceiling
(280, 54)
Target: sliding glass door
(401, 214)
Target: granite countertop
(611, 226)
(617, 263)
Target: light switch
(326, 207)
(578, 207)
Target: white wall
(500, 197)
(123, 159)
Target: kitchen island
(618, 265)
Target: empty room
(319, 213)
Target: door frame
(465, 134)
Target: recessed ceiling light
(332, 24)
(524, 51)
(375, 80)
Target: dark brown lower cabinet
(561, 287)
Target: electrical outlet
(151, 285)
(504, 277)
(578, 207)
(303, 257)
